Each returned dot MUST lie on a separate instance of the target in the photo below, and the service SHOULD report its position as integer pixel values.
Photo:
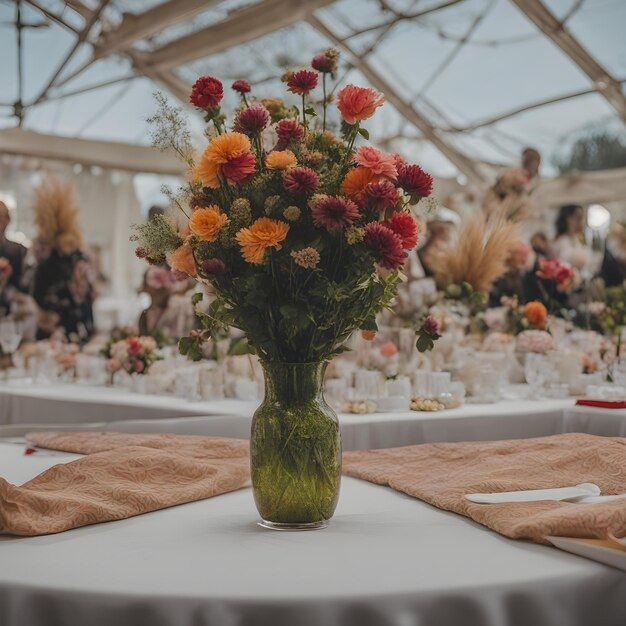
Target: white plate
(594, 549)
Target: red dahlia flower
(334, 213)
(288, 131)
(301, 82)
(206, 93)
(403, 225)
(382, 195)
(239, 168)
(386, 246)
(241, 86)
(300, 180)
(415, 181)
(326, 62)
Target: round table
(385, 560)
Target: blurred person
(438, 234)
(13, 252)
(531, 162)
(568, 245)
(512, 283)
(540, 245)
(613, 269)
(170, 313)
(63, 284)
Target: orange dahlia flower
(536, 313)
(280, 159)
(207, 222)
(358, 103)
(263, 233)
(229, 155)
(356, 181)
(181, 260)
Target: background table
(385, 560)
(76, 407)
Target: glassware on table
(336, 392)
(10, 339)
(539, 373)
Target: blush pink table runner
(122, 475)
(442, 473)
(126, 474)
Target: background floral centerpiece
(301, 235)
(134, 355)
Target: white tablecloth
(385, 560)
(75, 407)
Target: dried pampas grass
(477, 255)
(56, 216)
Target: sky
(506, 64)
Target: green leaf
(196, 297)
(364, 133)
(239, 346)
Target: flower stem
(303, 114)
(325, 101)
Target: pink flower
(358, 103)
(403, 225)
(376, 161)
(334, 213)
(252, 120)
(553, 269)
(206, 93)
(139, 366)
(113, 365)
(300, 180)
(382, 195)
(431, 325)
(241, 86)
(301, 82)
(415, 181)
(386, 246)
(134, 347)
(388, 349)
(288, 131)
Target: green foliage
(599, 151)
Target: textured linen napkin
(442, 473)
(122, 475)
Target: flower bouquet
(301, 236)
(134, 355)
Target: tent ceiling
(466, 80)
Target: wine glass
(536, 372)
(10, 338)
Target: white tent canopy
(467, 81)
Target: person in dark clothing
(613, 270)
(13, 252)
(62, 286)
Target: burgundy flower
(415, 181)
(206, 93)
(301, 82)
(386, 246)
(288, 131)
(300, 180)
(325, 62)
(241, 86)
(334, 213)
(431, 325)
(213, 267)
(252, 120)
(382, 195)
(405, 227)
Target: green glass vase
(295, 449)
